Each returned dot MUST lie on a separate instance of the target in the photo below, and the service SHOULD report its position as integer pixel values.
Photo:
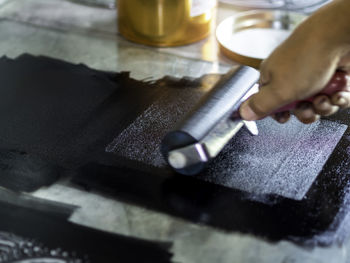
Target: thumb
(262, 104)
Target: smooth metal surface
(252, 127)
(249, 37)
(223, 132)
(219, 102)
(188, 156)
(206, 130)
(212, 144)
(206, 149)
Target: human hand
(302, 66)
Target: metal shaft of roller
(218, 104)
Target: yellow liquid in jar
(163, 22)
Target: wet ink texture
(283, 159)
(23, 172)
(56, 116)
(54, 108)
(141, 139)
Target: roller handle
(337, 83)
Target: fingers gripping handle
(337, 83)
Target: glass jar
(165, 22)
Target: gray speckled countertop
(78, 33)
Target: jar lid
(249, 37)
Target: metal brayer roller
(205, 131)
(208, 128)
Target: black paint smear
(55, 109)
(20, 200)
(61, 114)
(23, 172)
(86, 244)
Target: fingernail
(322, 101)
(341, 101)
(282, 116)
(247, 113)
(324, 104)
(281, 119)
(308, 113)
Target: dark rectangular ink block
(63, 111)
(56, 116)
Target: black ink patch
(26, 234)
(20, 171)
(55, 115)
(59, 210)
